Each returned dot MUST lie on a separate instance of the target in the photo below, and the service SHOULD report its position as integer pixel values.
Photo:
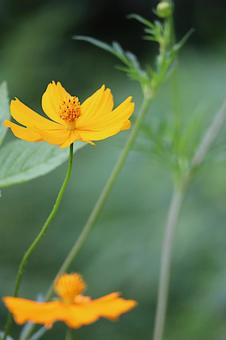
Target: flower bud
(164, 9)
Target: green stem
(174, 210)
(39, 237)
(163, 289)
(104, 194)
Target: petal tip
(6, 123)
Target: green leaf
(4, 109)
(141, 19)
(183, 41)
(132, 66)
(95, 42)
(21, 161)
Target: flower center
(69, 286)
(70, 109)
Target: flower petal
(98, 103)
(72, 137)
(23, 133)
(126, 125)
(110, 306)
(24, 310)
(109, 124)
(27, 117)
(73, 315)
(54, 136)
(52, 98)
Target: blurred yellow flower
(72, 308)
(70, 121)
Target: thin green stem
(165, 265)
(39, 237)
(104, 194)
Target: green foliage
(154, 31)
(131, 64)
(172, 133)
(4, 109)
(161, 32)
(153, 76)
(21, 161)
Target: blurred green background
(123, 251)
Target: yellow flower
(70, 121)
(72, 308)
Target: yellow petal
(126, 125)
(24, 310)
(73, 315)
(101, 101)
(27, 117)
(73, 137)
(109, 124)
(23, 133)
(110, 306)
(52, 98)
(56, 136)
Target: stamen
(70, 109)
(69, 286)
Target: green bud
(164, 9)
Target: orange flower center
(69, 286)
(70, 109)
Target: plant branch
(209, 137)
(165, 265)
(174, 211)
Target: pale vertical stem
(166, 255)
(210, 136)
(174, 210)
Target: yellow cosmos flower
(70, 121)
(72, 308)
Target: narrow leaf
(141, 19)
(117, 47)
(95, 42)
(183, 41)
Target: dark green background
(123, 251)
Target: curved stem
(39, 237)
(173, 213)
(104, 194)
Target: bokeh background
(123, 251)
